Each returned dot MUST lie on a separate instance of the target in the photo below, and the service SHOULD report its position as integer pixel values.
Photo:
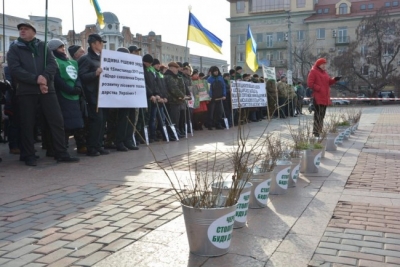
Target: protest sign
(122, 82)
(289, 77)
(248, 95)
(269, 73)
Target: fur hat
(173, 64)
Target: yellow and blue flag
(197, 33)
(251, 51)
(99, 14)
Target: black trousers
(96, 126)
(48, 104)
(215, 113)
(174, 111)
(319, 115)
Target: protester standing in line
(300, 92)
(282, 97)
(76, 52)
(319, 81)
(68, 89)
(176, 93)
(153, 95)
(89, 73)
(217, 95)
(228, 100)
(33, 73)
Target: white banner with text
(248, 95)
(122, 81)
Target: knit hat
(54, 44)
(180, 64)
(148, 58)
(156, 62)
(195, 71)
(320, 61)
(72, 49)
(173, 64)
(238, 68)
(123, 50)
(26, 24)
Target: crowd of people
(53, 96)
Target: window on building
(300, 35)
(279, 55)
(363, 7)
(395, 3)
(319, 11)
(240, 57)
(241, 39)
(259, 37)
(268, 5)
(280, 36)
(240, 7)
(364, 50)
(301, 3)
(269, 39)
(326, 10)
(387, 4)
(370, 6)
(365, 70)
(388, 49)
(343, 9)
(321, 33)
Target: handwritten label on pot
(282, 178)
(261, 192)
(242, 207)
(220, 231)
(295, 173)
(317, 160)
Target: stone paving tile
(365, 246)
(52, 228)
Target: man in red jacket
(319, 81)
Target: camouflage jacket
(282, 90)
(175, 88)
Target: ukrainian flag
(251, 51)
(100, 17)
(197, 33)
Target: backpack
(217, 89)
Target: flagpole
(4, 34)
(73, 23)
(45, 33)
(187, 36)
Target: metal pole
(45, 33)
(187, 37)
(73, 23)
(4, 34)
(290, 42)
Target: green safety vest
(69, 73)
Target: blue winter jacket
(211, 79)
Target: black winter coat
(70, 109)
(88, 64)
(25, 67)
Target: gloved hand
(76, 91)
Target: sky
(168, 18)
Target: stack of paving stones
(368, 234)
(80, 225)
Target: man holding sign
(89, 72)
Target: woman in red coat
(319, 81)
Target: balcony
(272, 45)
(342, 40)
(279, 63)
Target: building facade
(117, 37)
(173, 52)
(323, 26)
(203, 64)
(11, 31)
